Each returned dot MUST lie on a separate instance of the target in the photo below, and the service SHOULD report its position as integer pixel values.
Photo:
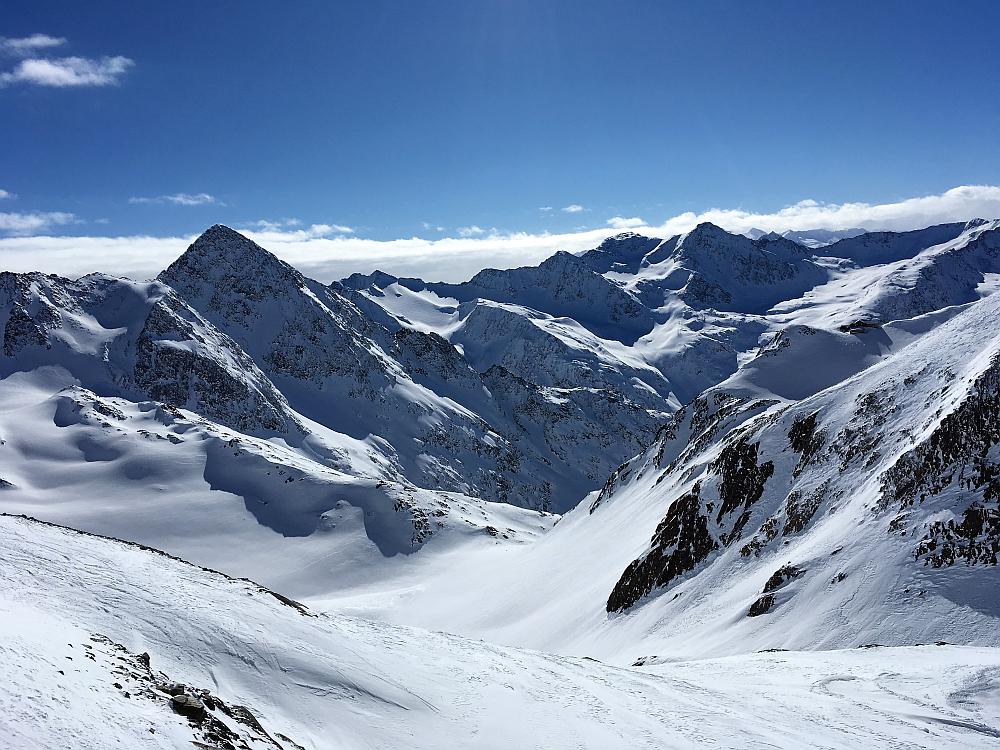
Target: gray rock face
(189, 706)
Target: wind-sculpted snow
(108, 645)
(304, 517)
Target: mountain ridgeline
(804, 426)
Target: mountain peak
(222, 252)
(628, 244)
(708, 229)
(221, 230)
(219, 237)
(220, 240)
(376, 278)
(623, 251)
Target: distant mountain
(811, 238)
(817, 238)
(364, 375)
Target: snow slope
(839, 487)
(304, 519)
(137, 339)
(134, 628)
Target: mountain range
(655, 468)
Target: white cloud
(285, 230)
(180, 199)
(620, 222)
(545, 208)
(267, 226)
(281, 232)
(4, 194)
(62, 72)
(456, 258)
(958, 204)
(473, 231)
(276, 225)
(573, 208)
(322, 230)
(31, 223)
(29, 45)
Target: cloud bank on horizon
(329, 251)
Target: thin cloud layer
(620, 222)
(274, 232)
(179, 199)
(332, 256)
(31, 223)
(29, 45)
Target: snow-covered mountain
(140, 340)
(811, 238)
(832, 491)
(410, 390)
(805, 436)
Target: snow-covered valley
(702, 491)
(148, 651)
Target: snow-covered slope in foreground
(106, 645)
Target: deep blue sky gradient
(382, 115)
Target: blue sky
(386, 120)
